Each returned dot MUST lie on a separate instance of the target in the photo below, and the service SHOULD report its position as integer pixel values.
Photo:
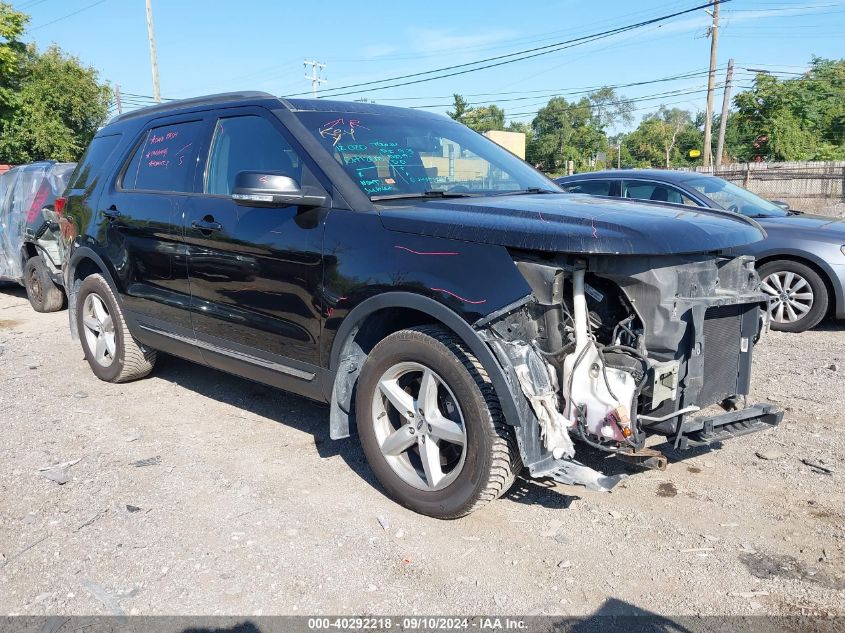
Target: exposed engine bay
(609, 350)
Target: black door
(143, 224)
(255, 272)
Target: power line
(650, 107)
(655, 97)
(29, 5)
(473, 49)
(565, 92)
(509, 58)
(64, 17)
(685, 75)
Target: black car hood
(572, 223)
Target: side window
(687, 200)
(646, 191)
(166, 159)
(95, 157)
(596, 187)
(248, 143)
(571, 187)
(656, 192)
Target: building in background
(514, 142)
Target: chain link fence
(814, 187)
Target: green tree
(56, 109)
(461, 106)
(609, 109)
(481, 118)
(577, 131)
(663, 139)
(795, 119)
(12, 25)
(485, 118)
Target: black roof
(179, 104)
(299, 105)
(662, 175)
(356, 107)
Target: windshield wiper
(522, 192)
(423, 195)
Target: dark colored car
(29, 241)
(801, 262)
(441, 295)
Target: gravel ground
(195, 492)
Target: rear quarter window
(93, 161)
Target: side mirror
(780, 203)
(268, 189)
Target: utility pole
(118, 99)
(723, 119)
(314, 77)
(711, 84)
(153, 56)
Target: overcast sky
(207, 46)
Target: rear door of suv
(142, 223)
(255, 272)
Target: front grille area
(722, 333)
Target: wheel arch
(836, 304)
(377, 317)
(82, 263)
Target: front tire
(111, 351)
(43, 294)
(431, 425)
(799, 295)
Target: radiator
(722, 333)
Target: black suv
(445, 299)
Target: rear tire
(799, 295)
(111, 351)
(475, 458)
(43, 294)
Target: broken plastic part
(535, 379)
(574, 473)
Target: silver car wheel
(99, 329)
(792, 296)
(419, 426)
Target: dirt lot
(197, 492)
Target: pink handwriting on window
(168, 136)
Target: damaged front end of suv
(609, 350)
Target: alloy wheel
(99, 329)
(419, 426)
(792, 296)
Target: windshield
(733, 198)
(401, 154)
